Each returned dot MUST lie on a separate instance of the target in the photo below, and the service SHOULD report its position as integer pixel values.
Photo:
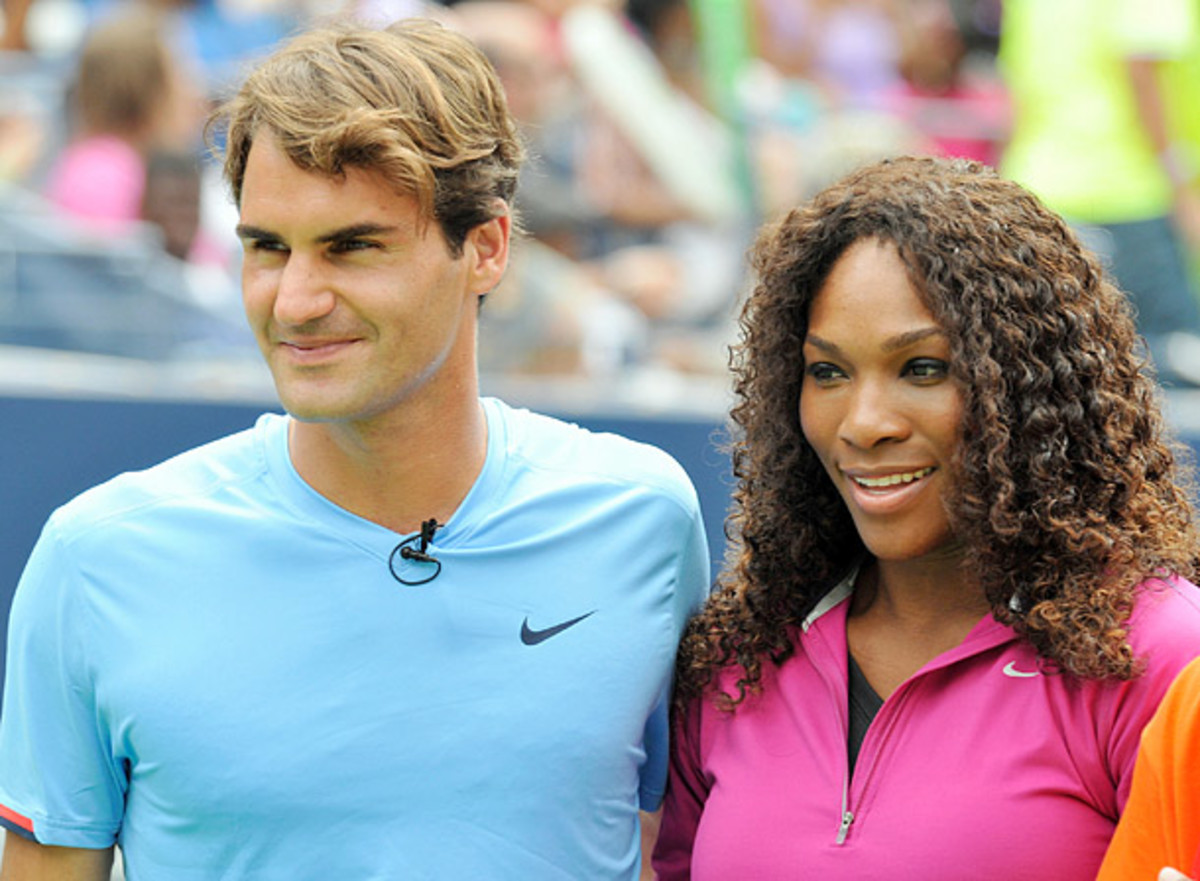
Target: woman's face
(878, 404)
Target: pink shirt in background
(99, 180)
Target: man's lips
(315, 350)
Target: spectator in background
(640, 265)
(22, 138)
(214, 35)
(13, 37)
(1161, 824)
(1181, 86)
(668, 27)
(127, 98)
(522, 43)
(821, 98)
(960, 112)
(171, 199)
(550, 314)
(1091, 137)
(849, 48)
(660, 167)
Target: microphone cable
(416, 548)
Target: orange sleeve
(1161, 823)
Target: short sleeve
(694, 581)
(1162, 30)
(691, 588)
(1165, 635)
(687, 791)
(58, 783)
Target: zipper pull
(844, 828)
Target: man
(401, 633)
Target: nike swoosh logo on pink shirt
(1010, 669)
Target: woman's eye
(927, 368)
(823, 371)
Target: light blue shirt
(213, 665)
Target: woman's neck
(903, 615)
(932, 589)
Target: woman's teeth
(892, 479)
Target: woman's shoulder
(727, 680)
(1166, 618)
(1166, 596)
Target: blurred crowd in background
(662, 133)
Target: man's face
(358, 307)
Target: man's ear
(486, 249)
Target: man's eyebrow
(354, 231)
(892, 344)
(248, 231)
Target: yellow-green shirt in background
(1078, 140)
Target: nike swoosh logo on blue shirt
(1010, 669)
(529, 636)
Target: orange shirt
(1161, 823)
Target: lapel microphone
(416, 548)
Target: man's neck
(398, 470)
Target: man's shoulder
(552, 445)
(185, 478)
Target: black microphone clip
(419, 554)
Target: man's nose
(304, 293)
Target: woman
(957, 585)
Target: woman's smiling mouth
(889, 480)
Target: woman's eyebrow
(891, 344)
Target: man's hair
(416, 103)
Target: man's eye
(352, 245)
(264, 245)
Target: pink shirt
(979, 766)
(100, 180)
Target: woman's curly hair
(1068, 491)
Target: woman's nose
(873, 416)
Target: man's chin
(305, 410)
